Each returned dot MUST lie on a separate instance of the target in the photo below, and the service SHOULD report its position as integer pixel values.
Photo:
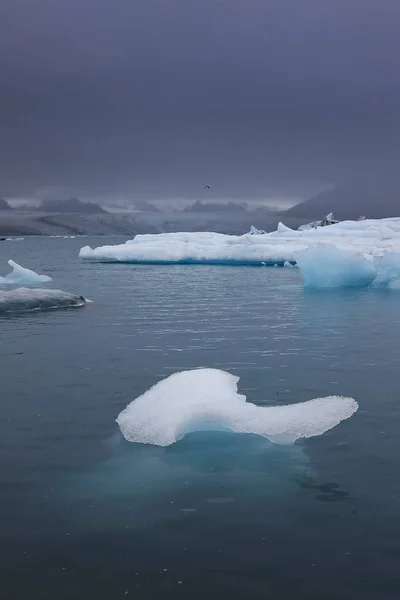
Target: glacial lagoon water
(86, 514)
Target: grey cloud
(154, 99)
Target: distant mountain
(4, 205)
(210, 207)
(33, 222)
(73, 205)
(375, 201)
(145, 206)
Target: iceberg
(26, 299)
(324, 266)
(22, 276)
(255, 231)
(205, 399)
(368, 237)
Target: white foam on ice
(206, 399)
(26, 299)
(22, 276)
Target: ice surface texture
(25, 299)
(22, 276)
(206, 399)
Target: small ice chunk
(22, 276)
(205, 399)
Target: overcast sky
(157, 98)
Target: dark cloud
(156, 98)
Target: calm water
(86, 515)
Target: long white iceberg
(26, 299)
(371, 237)
(22, 276)
(204, 399)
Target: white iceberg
(350, 253)
(372, 237)
(26, 299)
(22, 276)
(206, 399)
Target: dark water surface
(86, 515)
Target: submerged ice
(22, 276)
(26, 299)
(206, 399)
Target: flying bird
(207, 187)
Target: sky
(263, 100)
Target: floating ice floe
(368, 236)
(22, 276)
(26, 299)
(205, 399)
(357, 247)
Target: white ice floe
(368, 236)
(206, 399)
(357, 246)
(26, 299)
(22, 276)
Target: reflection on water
(327, 492)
